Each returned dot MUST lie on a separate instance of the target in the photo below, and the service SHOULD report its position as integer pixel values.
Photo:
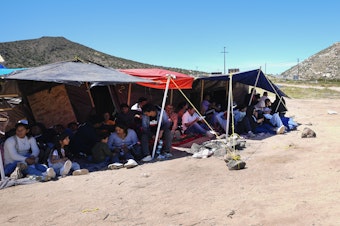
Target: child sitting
(60, 162)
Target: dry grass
(310, 93)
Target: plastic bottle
(159, 147)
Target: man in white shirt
(139, 105)
(190, 123)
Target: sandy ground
(288, 181)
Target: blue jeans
(196, 129)
(59, 167)
(35, 169)
(124, 155)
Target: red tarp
(160, 77)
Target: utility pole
(224, 52)
(298, 61)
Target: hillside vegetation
(45, 50)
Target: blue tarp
(249, 78)
(5, 71)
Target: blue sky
(185, 34)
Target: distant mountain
(45, 50)
(322, 65)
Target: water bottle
(159, 147)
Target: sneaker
(147, 158)
(17, 173)
(116, 165)
(251, 134)
(280, 130)
(161, 157)
(50, 173)
(168, 155)
(80, 172)
(210, 134)
(66, 168)
(130, 164)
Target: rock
(236, 164)
(308, 133)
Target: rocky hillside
(36, 52)
(322, 65)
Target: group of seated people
(257, 115)
(108, 142)
(104, 142)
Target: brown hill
(322, 65)
(36, 52)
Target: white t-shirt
(56, 155)
(136, 107)
(17, 149)
(187, 118)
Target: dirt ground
(288, 180)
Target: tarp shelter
(5, 71)
(68, 73)
(164, 79)
(160, 77)
(253, 78)
(75, 73)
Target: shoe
(147, 158)
(168, 155)
(66, 168)
(17, 173)
(116, 165)
(210, 134)
(80, 172)
(280, 130)
(50, 173)
(161, 157)
(130, 164)
(251, 134)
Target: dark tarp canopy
(253, 78)
(75, 73)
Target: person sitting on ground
(86, 137)
(126, 116)
(192, 123)
(120, 143)
(173, 119)
(205, 104)
(59, 128)
(180, 110)
(273, 119)
(252, 123)
(71, 129)
(279, 105)
(21, 155)
(250, 99)
(107, 123)
(139, 105)
(148, 130)
(239, 113)
(38, 131)
(288, 122)
(101, 153)
(261, 104)
(59, 161)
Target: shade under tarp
(252, 78)
(160, 76)
(75, 73)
